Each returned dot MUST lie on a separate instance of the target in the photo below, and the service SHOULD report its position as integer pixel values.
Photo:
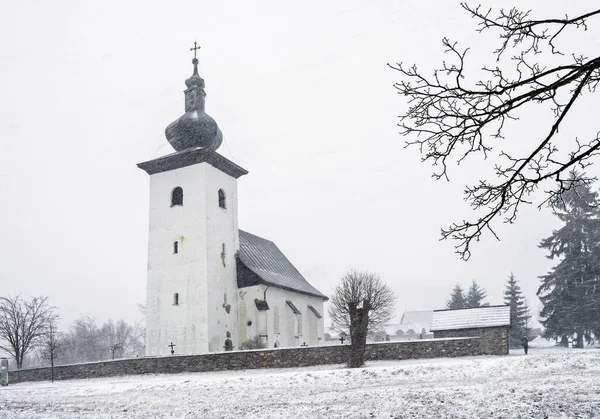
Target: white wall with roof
(282, 325)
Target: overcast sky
(305, 101)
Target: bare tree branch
(23, 324)
(450, 120)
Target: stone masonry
(262, 358)
(494, 340)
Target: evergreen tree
(519, 312)
(570, 291)
(457, 298)
(475, 296)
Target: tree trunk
(564, 342)
(579, 342)
(51, 366)
(359, 324)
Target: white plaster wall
(277, 297)
(222, 228)
(196, 272)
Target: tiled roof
(261, 262)
(314, 310)
(470, 318)
(261, 305)
(293, 307)
(189, 157)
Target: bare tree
(137, 340)
(115, 337)
(51, 343)
(82, 343)
(23, 324)
(451, 118)
(361, 302)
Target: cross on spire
(195, 48)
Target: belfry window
(177, 196)
(176, 299)
(222, 203)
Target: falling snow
(549, 382)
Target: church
(210, 286)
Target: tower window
(177, 196)
(223, 254)
(176, 299)
(222, 203)
(175, 247)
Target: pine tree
(457, 299)
(570, 291)
(476, 296)
(519, 312)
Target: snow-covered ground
(549, 382)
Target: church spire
(195, 80)
(194, 129)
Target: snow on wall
(196, 273)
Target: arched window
(175, 247)
(222, 203)
(177, 196)
(176, 299)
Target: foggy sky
(305, 101)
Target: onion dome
(194, 129)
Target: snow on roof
(470, 318)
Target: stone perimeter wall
(262, 358)
(494, 340)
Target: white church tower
(210, 286)
(193, 237)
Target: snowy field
(549, 382)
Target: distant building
(211, 286)
(491, 323)
(413, 325)
(333, 335)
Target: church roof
(189, 157)
(261, 262)
(471, 318)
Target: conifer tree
(475, 296)
(457, 298)
(570, 291)
(519, 312)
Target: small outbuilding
(490, 323)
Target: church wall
(194, 271)
(222, 228)
(288, 321)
